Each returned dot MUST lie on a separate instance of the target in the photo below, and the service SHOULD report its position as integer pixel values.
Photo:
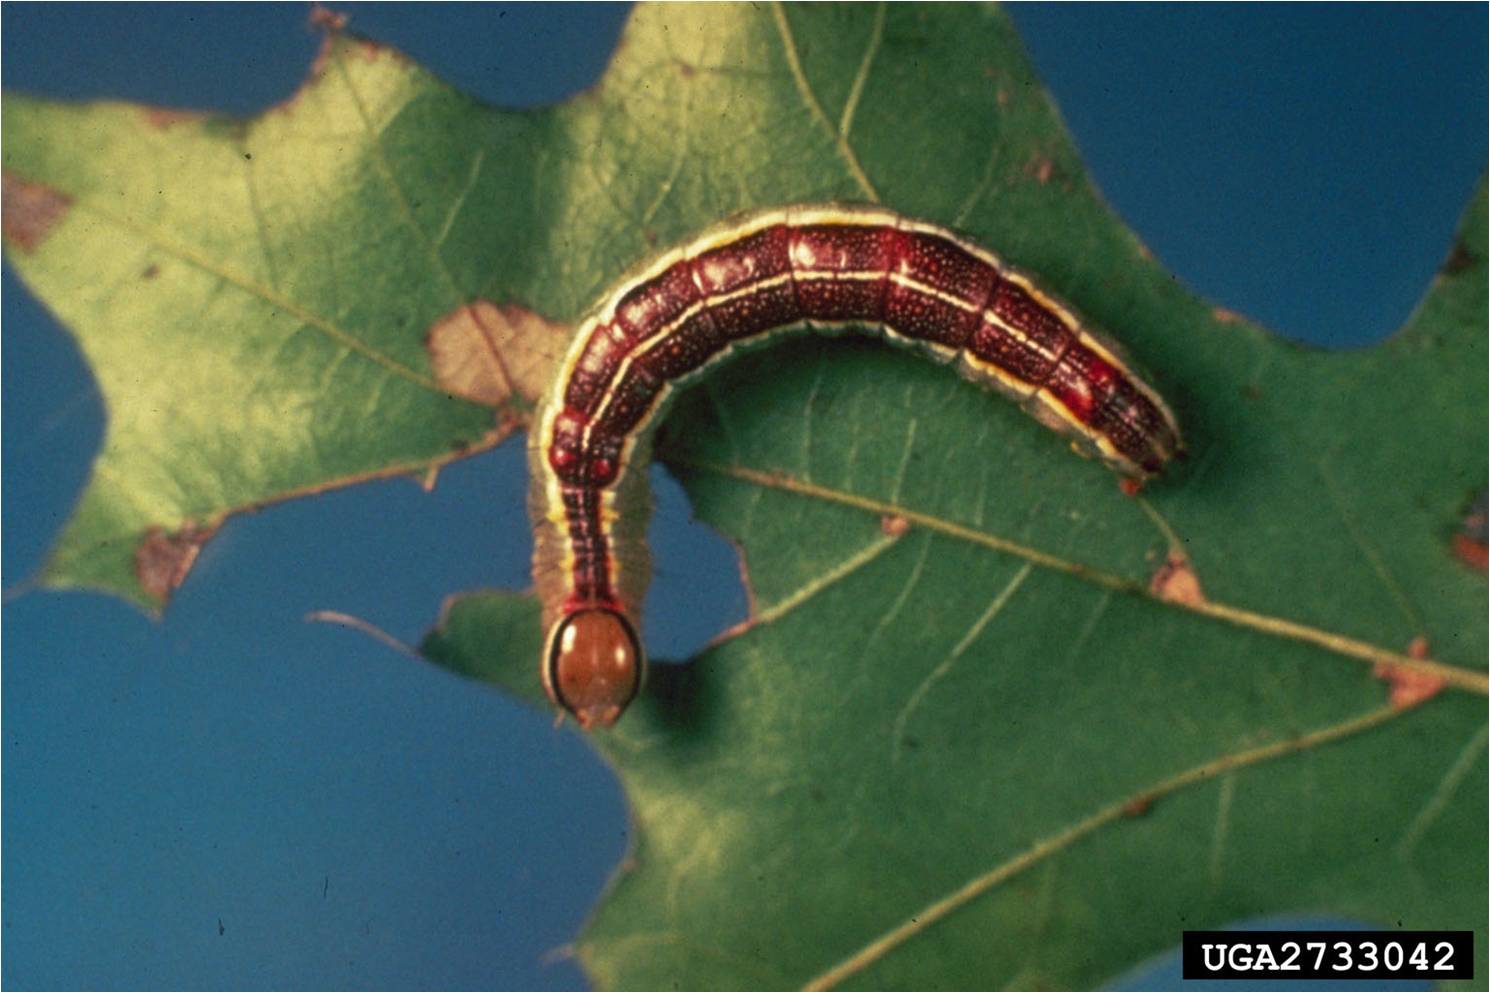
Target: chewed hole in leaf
(698, 587)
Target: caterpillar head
(593, 665)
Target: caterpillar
(824, 266)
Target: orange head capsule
(593, 665)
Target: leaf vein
(385, 172)
(905, 459)
(193, 257)
(1054, 844)
(809, 98)
(1089, 627)
(1227, 793)
(1459, 677)
(681, 148)
(822, 581)
(936, 675)
(1368, 551)
(984, 184)
(888, 617)
(1438, 801)
(460, 198)
(261, 228)
(807, 418)
(851, 106)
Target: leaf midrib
(194, 257)
(1457, 676)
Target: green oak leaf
(992, 722)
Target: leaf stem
(1127, 807)
(1452, 675)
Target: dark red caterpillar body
(804, 266)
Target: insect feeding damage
(1409, 687)
(163, 558)
(29, 211)
(491, 354)
(1469, 541)
(1176, 581)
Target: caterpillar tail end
(593, 665)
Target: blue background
(235, 798)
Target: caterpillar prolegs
(797, 267)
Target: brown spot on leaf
(1472, 553)
(1460, 258)
(1222, 315)
(162, 118)
(743, 565)
(488, 353)
(894, 525)
(371, 51)
(150, 272)
(1040, 167)
(1139, 806)
(1130, 486)
(1176, 581)
(1409, 687)
(164, 558)
(1469, 542)
(317, 70)
(325, 19)
(29, 211)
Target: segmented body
(828, 265)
